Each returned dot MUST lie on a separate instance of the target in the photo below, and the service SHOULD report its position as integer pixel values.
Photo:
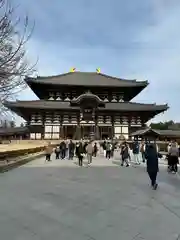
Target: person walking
(79, 153)
(151, 155)
(84, 147)
(95, 150)
(63, 149)
(142, 150)
(108, 150)
(125, 156)
(174, 157)
(67, 148)
(89, 151)
(71, 148)
(57, 152)
(112, 149)
(104, 146)
(48, 152)
(135, 150)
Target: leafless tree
(14, 65)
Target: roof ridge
(51, 76)
(79, 72)
(123, 79)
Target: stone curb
(11, 165)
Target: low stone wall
(11, 154)
(14, 150)
(7, 166)
(39, 142)
(14, 154)
(24, 144)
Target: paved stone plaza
(61, 201)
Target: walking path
(99, 161)
(60, 200)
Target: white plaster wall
(32, 136)
(125, 130)
(47, 136)
(117, 130)
(55, 129)
(47, 128)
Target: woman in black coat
(79, 153)
(151, 155)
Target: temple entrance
(86, 131)
(69, 131)
(106, 132)
(104, 136)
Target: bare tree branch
(14, 65)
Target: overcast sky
(129, 39)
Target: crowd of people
(139, 152)
(68, 150)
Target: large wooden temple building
(83, 104)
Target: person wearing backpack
(135, 150)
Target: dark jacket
(84, 147)
(95, 149)
(125, 152)
(79, 150)
(104, 145)
(62, 145)
(57, 150)
(135, 147)
(71, 146)
(151, 155)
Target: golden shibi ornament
(72, 69)
(98, 70)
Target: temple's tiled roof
(168, 132)
(120, 106)
(86, 79)
(11, 131)
(141, 132)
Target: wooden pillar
(97, 132)
(43, 126)
(129, 127)
(77, 134)
(61, 131)
(65, 131)
(112, 130)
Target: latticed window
(35, 136)
(51, 131)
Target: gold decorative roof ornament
(73, 69)
(98, 70)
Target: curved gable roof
(86, 78)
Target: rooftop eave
(152, 109)
(44, 80)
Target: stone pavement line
(98, 161)
(101, 203)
